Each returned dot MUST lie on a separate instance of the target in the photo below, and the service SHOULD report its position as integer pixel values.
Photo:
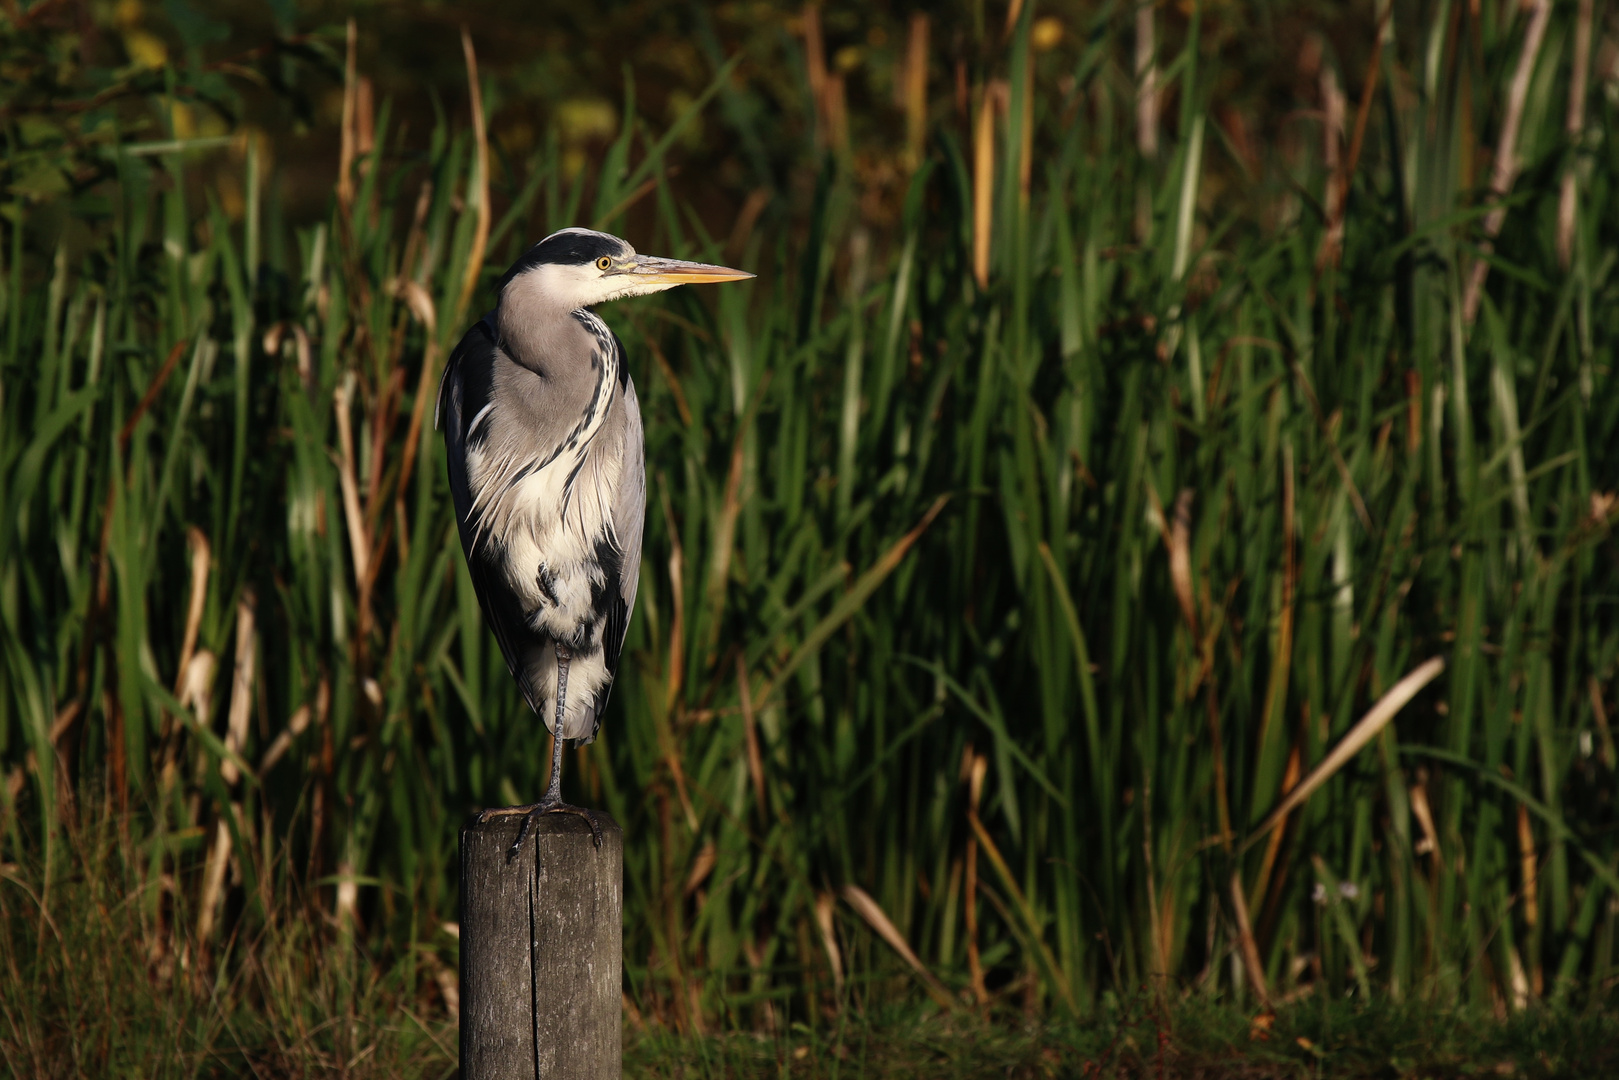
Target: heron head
(579, 268)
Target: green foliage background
(992, 614)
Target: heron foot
(532, 813)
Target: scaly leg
(551, 802)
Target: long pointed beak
(656, 271)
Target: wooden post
(542, 941)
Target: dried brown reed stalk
(916, 91)
(750, 735)
(815, 68)
(824, 905)
(1365, 729)
(989, 103)
(1246, 947)
(1333, 107)
(875, 917)
(1575, 125)
(1505, 170)
(973, 767)
(478, 187)
(345, 157)
(1146, 82)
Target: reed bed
(1013, 568)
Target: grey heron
(542, 433)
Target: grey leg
(551, 802)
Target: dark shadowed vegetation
(1135, 405)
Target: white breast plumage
(552, 512)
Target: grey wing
(629, 520)
(465, 391)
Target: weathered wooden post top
(542, 939)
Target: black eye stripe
(573, 247)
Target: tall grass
(1003, 571)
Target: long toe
(507, 811)
(532, 813)
(592, 817)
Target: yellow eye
(604, 263)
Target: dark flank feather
(464, 390)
